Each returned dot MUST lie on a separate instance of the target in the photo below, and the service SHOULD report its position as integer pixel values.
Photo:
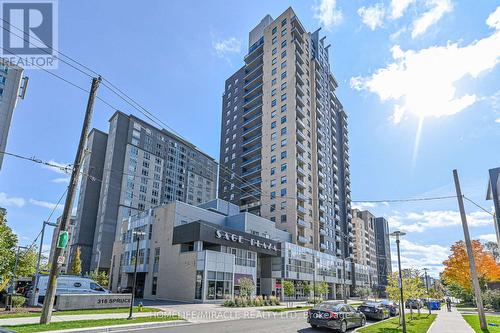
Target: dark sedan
(393, 307)
(374, 310)
(335, 315)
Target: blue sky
(396, 62)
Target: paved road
(295, 323)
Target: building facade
(494, 194)
(384, 265)
(88, 200)
(11, 88)
(365, 250)
(141, 167)
(284, 140)
(200, 253)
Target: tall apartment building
(284, 147)
(143, 167)
(11, 77)
(365, 250)
(493, 193)
(384, 266)
(88, 200)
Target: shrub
(242, 302)
(228, 303)
(18, 301)
(492, 299)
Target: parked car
(374, 310)
(393, 307)
(125, 290)
(335, 315)
(69, 284)
(414, 304)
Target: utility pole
(470, 253)
(50, 295)
(427, 288)
(314, 278)
(34, 293)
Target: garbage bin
(435, 305)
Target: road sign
(60, 260)
(62, 241)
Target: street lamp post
(34, 293)
(398, 234)
(427, 288)
(13, 281)
(137, 235)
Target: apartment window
(283, 218)
(273, 82)
(273, 194)
(283, 75)
(283, 179)
(273, 171)
(283, 97)
(272, 207)
(273, 92)
(283, 32)
(273, 113)
(274, 30)
(283, 167)
(273, 102)
(283, 192)
(273, 219)
(283, 54)
(275, 39)
(283, 205)
(273, 71)
(273, 183)
(283, 23)
(275, 50)
(273, 124)
(283, 131)
(283, 119)
(283, 44)
(283, 64)
(273, 158)
(283, 108)
(283, 86)
(273, 136)
(283, 144)
(274, 61)
(283, 154)
(273, 147)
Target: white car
(70, 284)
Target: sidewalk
(451, 322)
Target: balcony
(301, 171)
(298, 46)
(301, 113)
(322, 219)
(301, 196)
(301, 136)
(252, 120)
(253, 73)
(301, 239)
(301, 159)
(300, 101)
(338, 238)
(301, 222)
(252, 194)
(251, 171)
(256, 100)
(250, 130)
(323, 232)
(250, 141)
(339, 251)
(300, 125)
(323, 246)
(301, 184)
(251, 183)
(300, 147)
(251, 161)
(249, 111)
(322, 208)
(256, 51)
(253, 82)
(321, 175)
(253, 150)
(249, 95)
(301, 209)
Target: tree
(413, 286)
(492, 247)
(101, 277)
(8, 243)
(437, 291)
(288, 290)
(363, 292)
(306, 288)
(321, 289)
(246, 287)
(457, 270)
(27, 262)
(76, 266)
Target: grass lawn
(419, 324)
(296, 308)
(28, 328)
(473, 321)
(76, 312)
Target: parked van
(70, 284)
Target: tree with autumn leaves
(456, 274)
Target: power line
(479, 206)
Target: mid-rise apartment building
(493, 193)
(284, 140)
(384, 265)
(11, 88)
(142, 167)
(64, 266)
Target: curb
(4, 330)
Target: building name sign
(221, 234)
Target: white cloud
(373, 16)
(61, 168)
(61, 180)
(423, 81)
(398, 7)
(497, 120)
(437, 9)
(46, 204)
(225, 46)
(494, 19)
(416, 255)
(426, 220)
(488, 237)
(327, 13)
(8, 201)
(363, 205)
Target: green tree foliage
(288, 290)
(322, 289)
(246, 287)
(363, 292)
(413, 286)
(101, 277)
(8, 243)
(76, 265)
(307, 288)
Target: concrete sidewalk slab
(449, 322)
